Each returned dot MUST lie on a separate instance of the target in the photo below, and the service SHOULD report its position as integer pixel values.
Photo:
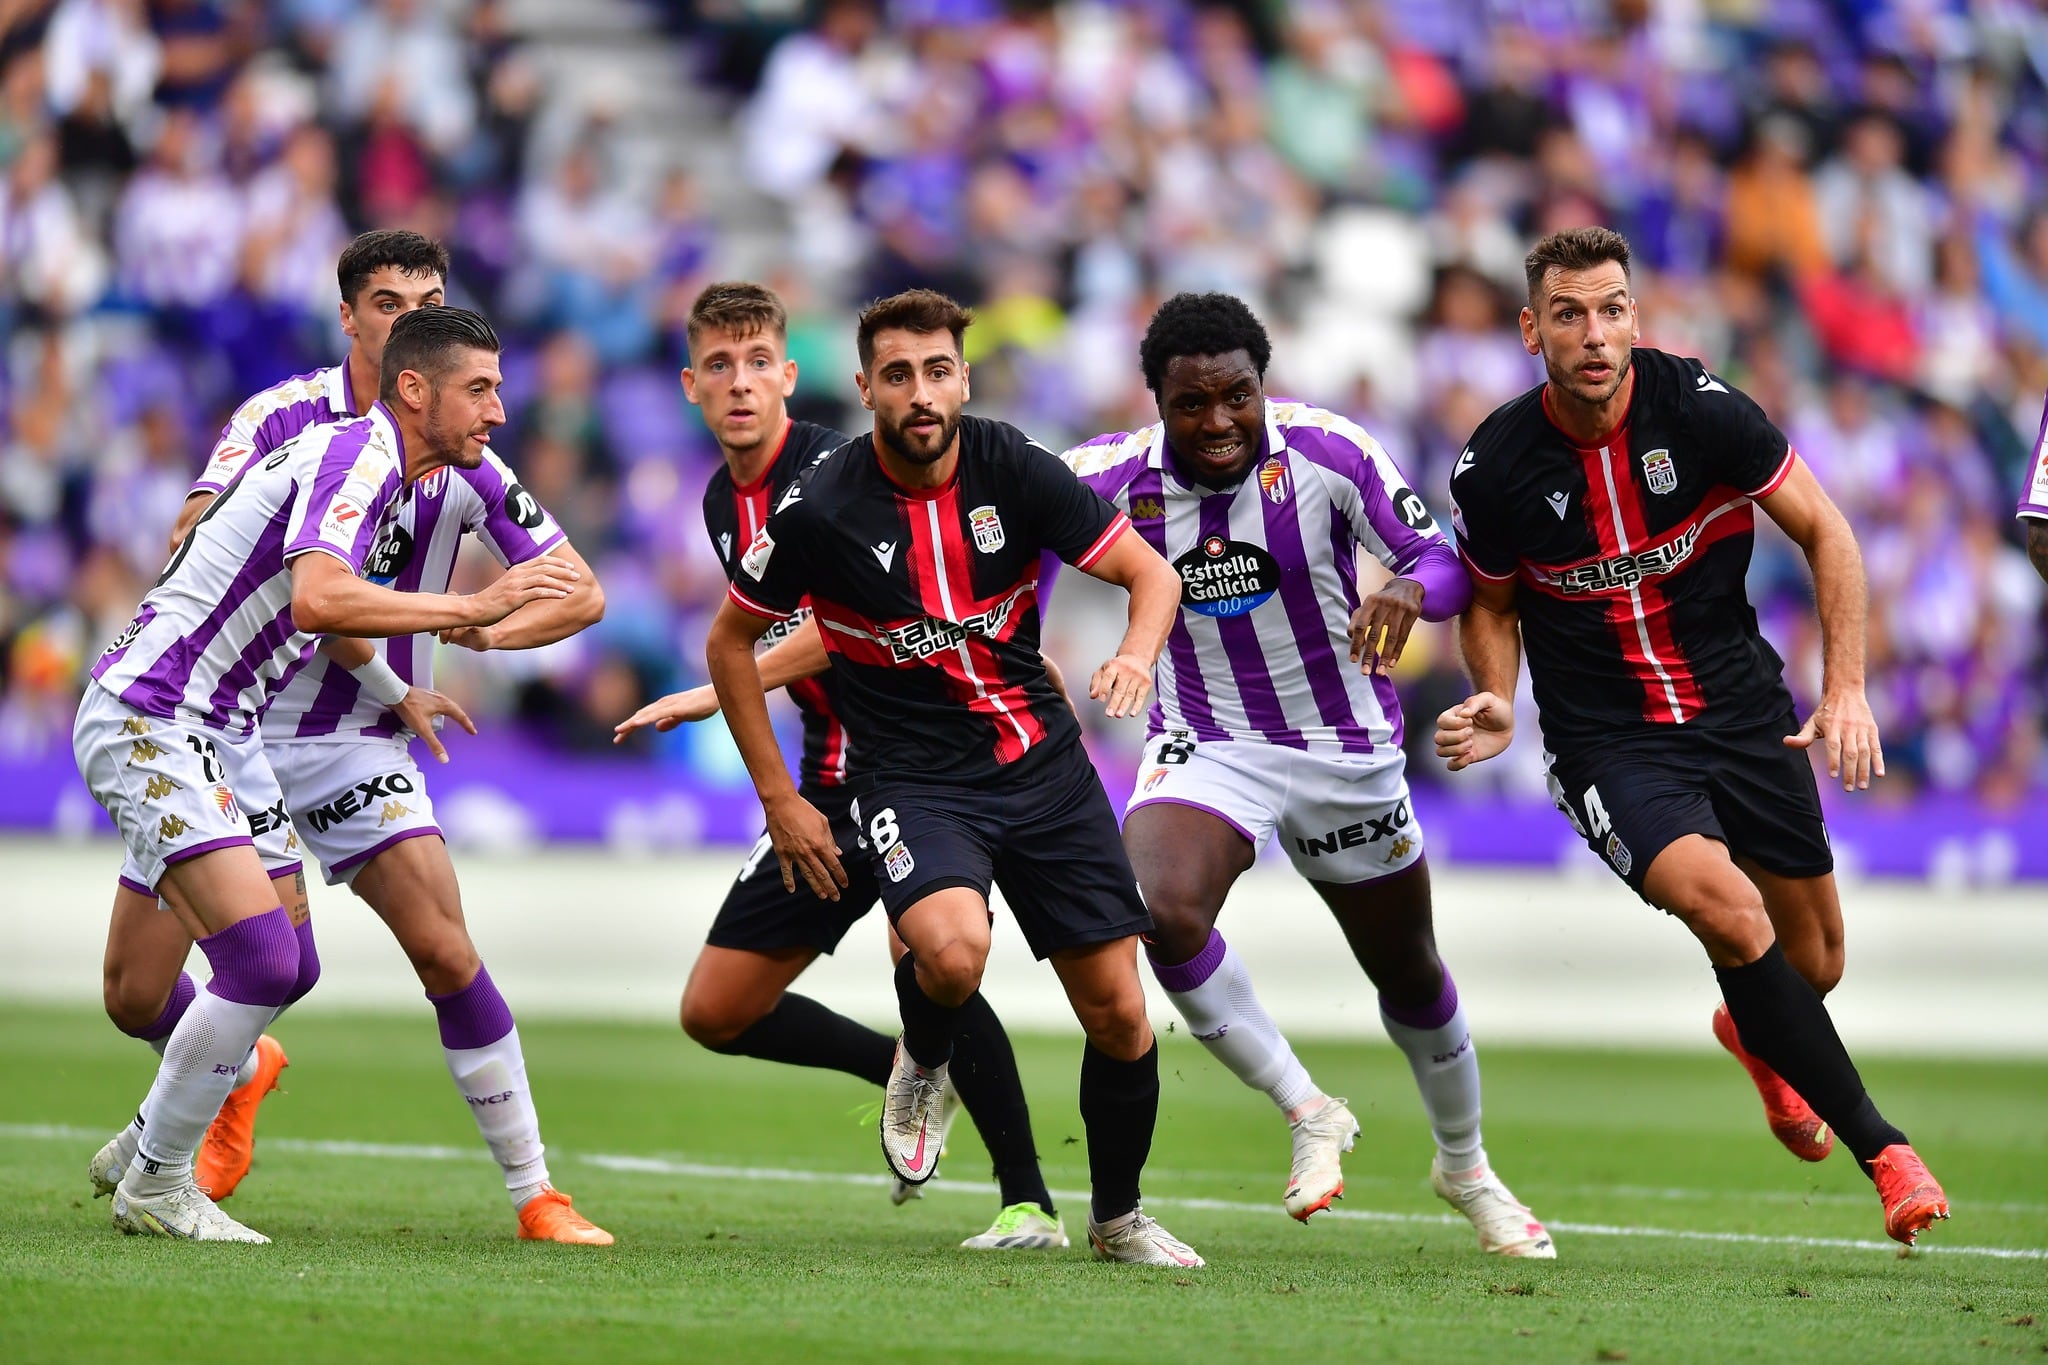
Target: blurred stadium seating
(1839, 206)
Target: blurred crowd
(1841, 205)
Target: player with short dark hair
(918, 547)
(1607, 517)
(1264, 726)
(738, 999)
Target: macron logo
(885, 553)
(1558, 502)
(1464, 463)
(1709, 384)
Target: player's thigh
(1061, 863)
(1192, 827)
(352, 800)
(1768, 801)
(1101, 982)
(1389, 924)
(1693, 879)
(217, 889)
(146, 951)
(731, 988)
(931, 851)
(1630, 803)
(411, 886)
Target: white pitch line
(697, 1170)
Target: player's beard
(451, 445)
(907, 448)
(1569, 381)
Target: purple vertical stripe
(1305, 616)
(170, 675)
(337, 462)
(227, 694)
(287, 422)
(1262, 709)
(1344, 552)
(335, 699)
(1191, 695)
(134, 631)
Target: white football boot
(183, 1212)
(913, 1119)
(1320, 1141)
(109, 1165)
(1506, 1226)
(1136, 1239)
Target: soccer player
(1607, 516)
(335, 735)
(918, 547)
(738, 999)
(167, 731)
(1261, 726)
(2033, 508)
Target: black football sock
(802, 1032)
(1119, 1106)
(985, 1073)
(927, 1025)
(1781, 1019)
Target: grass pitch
(395, 1242)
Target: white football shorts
(352, 798)
(177, 789)
(1341, 817)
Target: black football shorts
(1631, 798)
(760, 916)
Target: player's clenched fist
(803, 842)
(1475, 730)
(1121, 685)
(536, 579)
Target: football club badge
(1273, 481)
(898, 863)
(987, 528)
(225, 799)
(1658, 469)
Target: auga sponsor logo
(1226, 577)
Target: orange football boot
(224, 1156)
(549, 1217)
(1791, 1118)
(1911, 1196)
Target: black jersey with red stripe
(733, 515)
(928, 599)
(1628, 557)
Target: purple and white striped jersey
(214, 639)
(2034, 495)
(270, 418)
(1261, 649)
(417, 554)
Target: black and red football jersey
(734, 515)
(928, 599)
(1628, 557)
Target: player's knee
(1728, 918)
(309, 968)
(1180, 924)
(1115, 1022)
(712, 1023)
(131, 1005)
(445, 963)
(952, 972)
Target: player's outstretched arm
(802, 836)
(801, 655)
(1125, 682)
(1490, 639)
(1844, 722)
(328, 598)
(545, 620)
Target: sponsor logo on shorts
(987, 528)
(1222, 577)
(393, 810)
(1618, 854)
(291, 841)
(276, 817)
(144, 751)
(898, 863)
(1400, 848)
(1370, 830)
(169, 828)
(364, 797)
(159, 787)
(135, 725)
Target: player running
(167, 739)
(738, 999)
(1607, 516)
(1261, 727)
(341, 755)
(918, 549)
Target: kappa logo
(1370, 830)
(144, 751)
(135, 725)
(987, 528)
(1147, 509)
(159, 787)
(169, 828)
(1400, 848)
(1658, 470)
(393, 810)
(1558, 502)
(885, 553)
(1273, 481)
(361, 798)
(725, 545)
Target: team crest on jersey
(987, 528)
(1618, 854)
(898, 863)
(1147, 509)
(1273, 481)
(1658, 469)
(755, 560)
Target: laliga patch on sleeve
(227, 460)
(344, 519)
(755, 560)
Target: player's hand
(417, 714)
(1121, 685)
(803, 842)
(1475, 730)
(535, 580)
(666, 713)
(1380, 626)
(1844, 724)
(478, 638)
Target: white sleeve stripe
(1770, 485)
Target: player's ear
(867, 397)
(1530, 341)
(788, 378)
(348, 320)
(690, 384)
(966, 390)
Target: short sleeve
(1484, 539)
(771, 579)
(340, 503)
(1073, 520)
(512, 524)
(234, 450)
(2034, 492)
(1745, 447)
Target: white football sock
(202, 1063)
(1446, 1067)
(492, 1080)
(1214, 994)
